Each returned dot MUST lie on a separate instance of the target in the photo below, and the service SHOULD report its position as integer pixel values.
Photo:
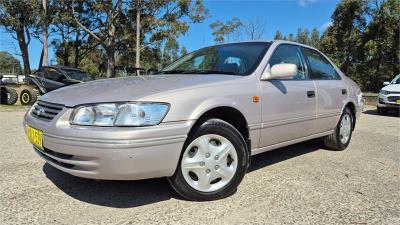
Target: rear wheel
(9, 96)
(28, 96)
(341, 137)
(213, 163)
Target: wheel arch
(228, 114)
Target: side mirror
(386, 83)
(277, 71)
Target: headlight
(384, 92)
(125, 114)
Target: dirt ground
(299, 184)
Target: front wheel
(213, 163)
(340, 138)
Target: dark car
(49, 78)
(54, 77)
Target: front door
(288, 105)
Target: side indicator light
(256, 99)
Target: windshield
(78, 75)
(396, 80)
(232, 59)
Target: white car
(389, 96)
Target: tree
(315, 38)
(381, 56)
(303, 36)
(290, 37)
(9, 64)
(159, 21)
(45, 32)
(19, 17)
(342, 40)
(107, 17)
(278, 36)
(183, 51)
(254, 28)
(71, 43)
(170, 52)
(224, 32)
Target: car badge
(40, 111)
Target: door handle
(344, 91)
(310, 94)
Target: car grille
(393, 98)
(46, 110)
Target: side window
(52, 74)
(290, 54)
(321, 68)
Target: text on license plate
(35, 136)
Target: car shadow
(390, 113)
(116, 194)
(281, 154)
(128, 194)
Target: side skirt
(286, 143)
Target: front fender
(209, 104)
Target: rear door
(288, 105)
(331, 91)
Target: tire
(9, 96)
(28, 96)
(381, 110)
(222, 175)
(337, 140)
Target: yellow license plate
(398, 101)
(35, 136)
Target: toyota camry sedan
(200, 119)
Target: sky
(284, 15)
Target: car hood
(392, 87)
(129, 88)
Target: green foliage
(278, 35)
(225, 32)
(9, 64)
(364, 41)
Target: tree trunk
(76, 45)
(24, 50)
(110, 51)
(45, 27)
(137, 63)
(65, 53)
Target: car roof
(269, 41)
(61, 67)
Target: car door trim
(287, 121)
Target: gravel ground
(299, 184)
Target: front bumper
(112, 153)
(388, 101)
